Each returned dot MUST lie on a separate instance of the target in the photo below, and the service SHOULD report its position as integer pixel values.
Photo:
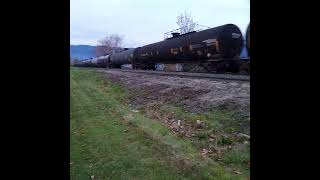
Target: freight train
(215, 50)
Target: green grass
(220, 123)
(110, 141)
(238, 156)
(215, 119)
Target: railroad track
(233, 77)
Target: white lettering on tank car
(209, 41)
(235, 35)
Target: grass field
(111, 141)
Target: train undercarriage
(202, 66)
(214, 66)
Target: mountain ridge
(81, 52)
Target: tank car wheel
(235, 67)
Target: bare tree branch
(109, 44)
(185, 22)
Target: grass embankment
(221, 131)
(110, 141)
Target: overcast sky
(145, 21)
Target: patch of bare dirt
(194, 95)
